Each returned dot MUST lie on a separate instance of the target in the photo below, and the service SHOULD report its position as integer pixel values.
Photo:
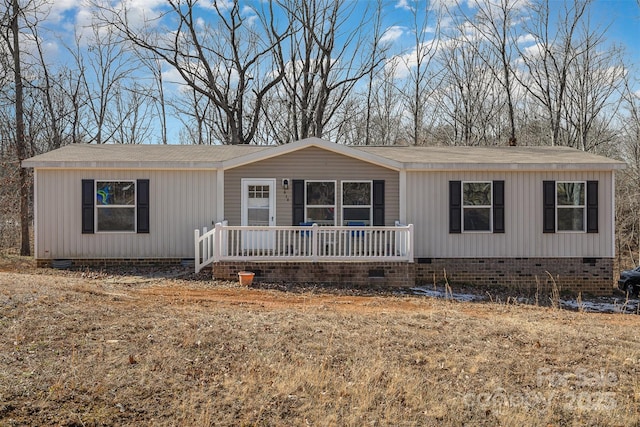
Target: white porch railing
(314, 243)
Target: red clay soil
(274, 300)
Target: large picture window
(320, 198)
(357, 202)
(115, 205)
(571, 206)
(476, 206)
(351, 202)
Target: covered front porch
(312, 244)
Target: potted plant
(246, 277)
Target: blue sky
(66, 17)
(621, 16)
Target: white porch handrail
(303, 243)
(206, 248)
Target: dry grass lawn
(93, 348)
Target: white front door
(258, 209)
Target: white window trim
(335, 198)
(490, 206)
(584, 207)
(370, 205)
(134, 206)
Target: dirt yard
(90, 348)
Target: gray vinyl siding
(180, 202)
(309, 164)
(428, 210)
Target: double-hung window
(357, 202)
(476, 206)
(571, 205)
(115, 206)
(320, 206)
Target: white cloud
(401, 65)
(221, 4)
(433, 4)
(392, 34)
(141, 12)
(526, 39)
(403, 4)
(59, 8)
(171, 75)
(447, 4)
(534, 51)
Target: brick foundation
(593, 276)
(395, 274)
(115, 262)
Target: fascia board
(120, 165)
(527, 167)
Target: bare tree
(108, 68)
(196, 111)
(421, 71)
(547, 65)
(154, 64)
(386, 106)
(377, 50)
(51, 118)
(468, 101)
(130, 116)
(11, 34)
(597, 75)
(628, 180)
(73, 91)
(230, 63)
(496, 23)
(327, 59)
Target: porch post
(314, 242)
(410, 241)
(197, 250)
(205, 245)
(217, 241)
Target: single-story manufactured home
(318, 211)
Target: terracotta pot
(246, 277)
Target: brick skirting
(115, 262)
(394, 274)
(593, 276)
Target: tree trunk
(25, 248)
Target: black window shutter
(142, 201)
(298, 201)
(592, 206)
(378, 203)
(88, 200)
(498, 206)
(549, 206)
(455, 207)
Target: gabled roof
(112, 156)
(345, 150)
